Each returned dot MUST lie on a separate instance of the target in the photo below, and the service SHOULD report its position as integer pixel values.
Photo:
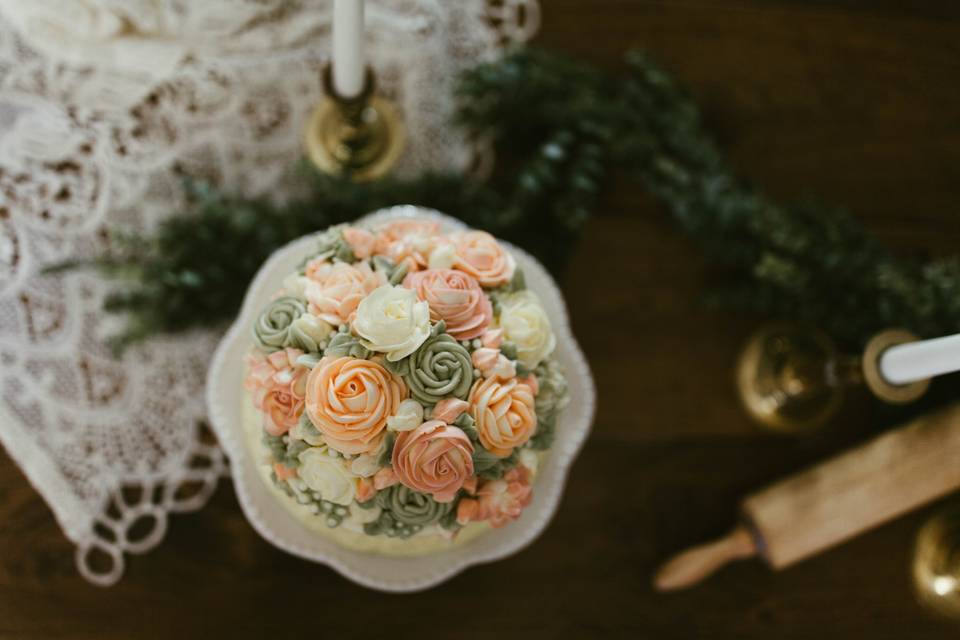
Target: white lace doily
(104, 105)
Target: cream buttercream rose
(391, 320)
(525, 323)
(328, 476)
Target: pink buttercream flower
(277, 384)
(361, 242)
(335, 289)
(434, 458)
(448, 409)
(498, 501)
(493, 364)
(407, 240)
(479, 254)
(492, 338)
(283, 471)
(365, 489)
(454, 297)
(384, 478)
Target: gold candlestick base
(791, 379)
(936, 562)
(361, 138)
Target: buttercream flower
(283, 472)
(449, 409)
(308, 332)
(412, 507)
(349, 400)
(364, 466)
(384, 478)
(440, 368)
(327, 476)
(365, 489)
(480, 255)
(493, 364)
(434, 458)
(443, 256)
(525, 323)
(454, 297)
(409, 416)
(295, 285)
(335, 289)
(504, 414)
(408, 240)
(498, 501)
(492, 338)
(361, 241)
(391, 320)
(277, 384)
(272, 328)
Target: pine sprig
(558, 127)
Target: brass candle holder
(361, 138)
(792, 379)
(936, 562)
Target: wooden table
(855, 100)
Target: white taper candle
(348, 53)
(913, 361)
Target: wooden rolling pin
(834, 501)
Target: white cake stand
(399, 574)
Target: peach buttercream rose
(498, 501)
(278, 386)
(504, 414)
(479, 254)
(434, 458)
(408, 240)
(349, 400)
(362, 242)
(454, 297)
(335, 289)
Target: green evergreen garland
(558, 126)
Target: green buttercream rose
(272, 329)
(410, 507)
(440, 368)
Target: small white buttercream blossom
(408, 417)
(444, 256)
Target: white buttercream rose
(525, 323)
(327, 476)
(393, 321)
(408, 417)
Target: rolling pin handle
(696, 564)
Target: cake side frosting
(402, 388)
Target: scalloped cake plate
(278, 526)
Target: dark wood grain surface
(855, 100)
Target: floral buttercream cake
(402, 387)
